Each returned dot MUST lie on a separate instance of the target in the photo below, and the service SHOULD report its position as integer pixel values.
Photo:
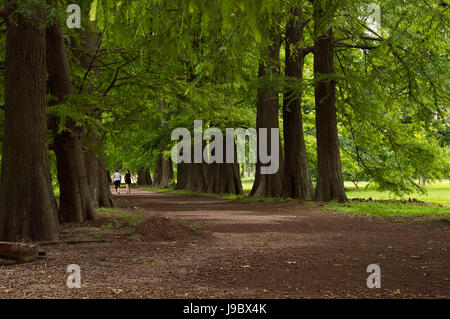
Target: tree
(163, 171)
(297, 180)
(224, 178)
(269, 185)
(75, 200)
(144, 177)
(330, 184)
(27, 205)
(92, 143)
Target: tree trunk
(75, 200)
(97, 175)
(268, 185)
(330, 185)
(108, 176)
(192, 177)
(297, 179)
(27, 204)
(144, 177)
(224, 178)
(94, 157)
(163, 172)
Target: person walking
(128, 181)
(117, 179)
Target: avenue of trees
(354, 98)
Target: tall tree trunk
(269, 185)
(144, 177)
(75, 200)
(297, 179)
(27, 204)
(163, 171)
(330, 185)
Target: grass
(390, 209)
(118, 218)
(438, 192)
(436, 198)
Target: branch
(308, 50)
(89, 68)
(304, 23)
(112, 83)
(355, 46)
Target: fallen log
(19, 251)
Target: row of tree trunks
(163, 171)
(144, 177)
(269, 185)
(75, 200)
(215, 178)
(297, 180)
(27, 205)
(330, 185)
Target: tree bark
(27, 204)
(75, 200)
(163, 171)
(269, 185)
(192, 177)
(144, 177)
(330, 185)
(224, 178)
(97, 175)
(297, 179)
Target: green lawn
(391, 209)
(437, 202)
(438, 192)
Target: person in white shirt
(117, 179)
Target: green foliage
(162, 64)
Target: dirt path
(246, 250)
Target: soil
(184, 246)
